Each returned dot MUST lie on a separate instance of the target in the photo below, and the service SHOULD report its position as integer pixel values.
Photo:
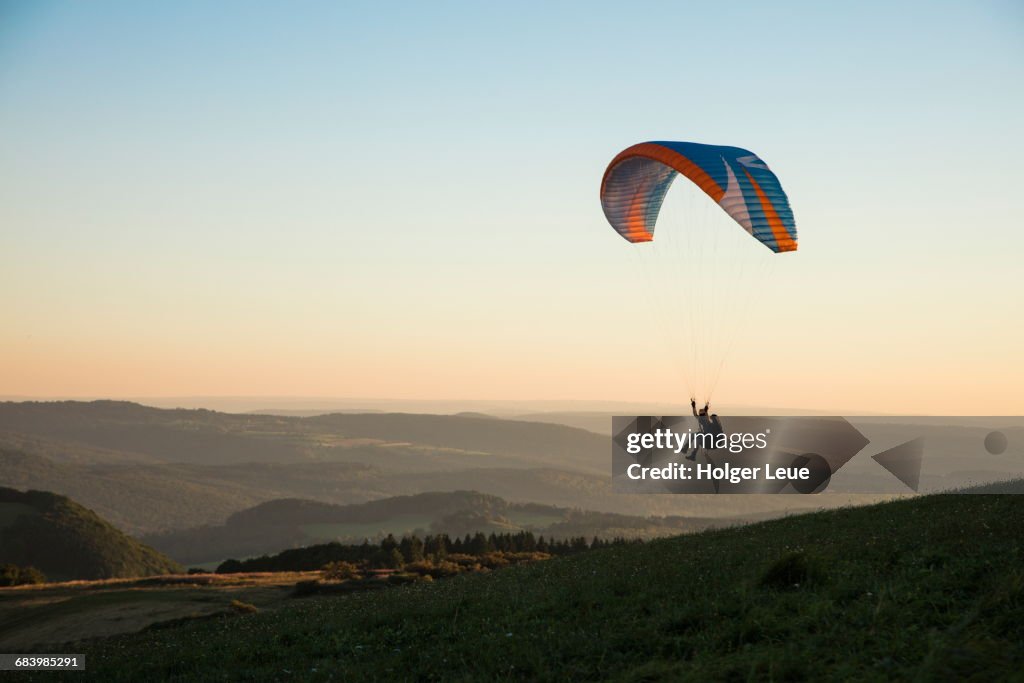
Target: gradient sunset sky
(400, 199)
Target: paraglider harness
(709, 425)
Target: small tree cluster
(13, 575)
(340, 571)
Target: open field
(34, 616)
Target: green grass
(925, 589)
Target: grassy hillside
(67, 541)
(931, 588)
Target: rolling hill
(923, 589)
(67, 541)
(280, 524)
(408, 441)
(151, 470)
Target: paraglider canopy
(634, 187)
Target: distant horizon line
(243, 403)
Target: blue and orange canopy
(637, 179)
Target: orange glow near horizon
(521, 373)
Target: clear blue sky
(401, 199)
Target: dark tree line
(392, 553)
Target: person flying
(703, 422)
